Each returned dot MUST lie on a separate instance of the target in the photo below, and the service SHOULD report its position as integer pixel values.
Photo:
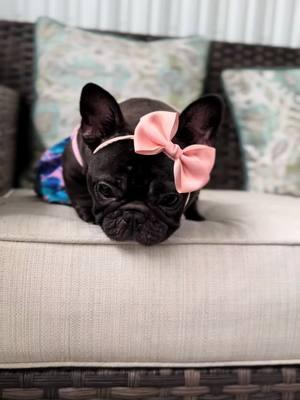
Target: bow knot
(192, 165)
(173, 150)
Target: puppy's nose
(134, 218)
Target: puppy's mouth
(135, 222)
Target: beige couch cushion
(221, 292)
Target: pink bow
(192, 165)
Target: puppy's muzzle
(134, 221)
(134, 214)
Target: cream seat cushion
(221, 292)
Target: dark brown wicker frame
(152, 383)
(277, 382)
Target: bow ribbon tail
(192, 170)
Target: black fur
(132, 197)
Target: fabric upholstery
(221, 292)
(229, 169)
(170, 70)
(266, 107)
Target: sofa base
(268, 383)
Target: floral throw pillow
(266, 109)
(170, 70)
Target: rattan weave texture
(188, 384)
(8, 121)
(16, 72)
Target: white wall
(252, 21)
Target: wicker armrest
(8, 128)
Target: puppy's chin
(144, 228)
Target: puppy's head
(134, 196)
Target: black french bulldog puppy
(132, 196)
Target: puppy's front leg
(80, 198)
(83, 208)
(192, 213)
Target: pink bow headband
(154, 133)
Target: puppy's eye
(105, 190)
(169, 200)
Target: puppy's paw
(85, 214)
(193, 214)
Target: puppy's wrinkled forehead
(119, 164)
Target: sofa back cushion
(170, 70)
(266, 107)
(16, 71)
(228, 172)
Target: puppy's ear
(199, 122)
(101, 115)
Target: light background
(251, 21)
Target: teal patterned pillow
(266, 109)
(171, 70)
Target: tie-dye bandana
(50, 183)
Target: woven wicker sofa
(36, 362)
